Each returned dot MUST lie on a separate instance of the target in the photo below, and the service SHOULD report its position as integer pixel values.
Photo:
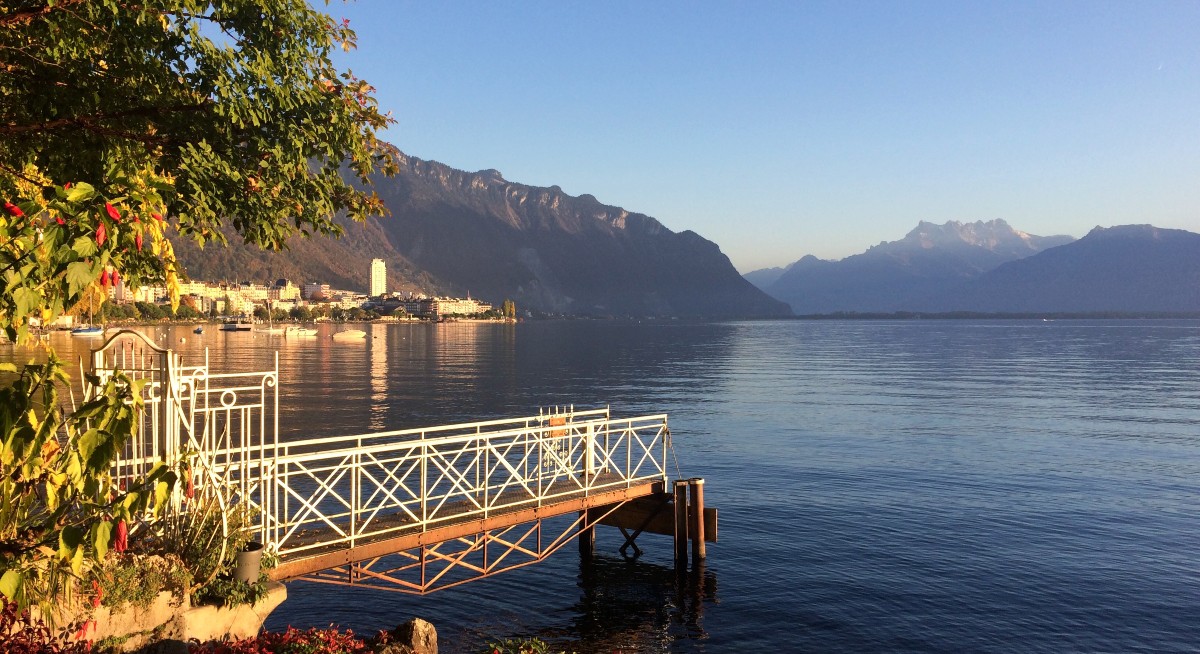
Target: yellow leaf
(77, 561)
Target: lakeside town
(282, 300)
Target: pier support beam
(587, 536)
(681, 525)
(696, 519)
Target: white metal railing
(345, 490)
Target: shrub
(518, 646)
(134, 579)
(292, 641)
(22, 634)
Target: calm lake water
(916, 486)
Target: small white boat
(350, 335)
(88, 330)
(274, 331)
(293, 330)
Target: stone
(413, 637)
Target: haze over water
(917, 486)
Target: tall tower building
(378, 277)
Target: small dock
(411, 510)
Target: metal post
(589, 461)
(696, 510)
(681, 524)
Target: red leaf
(157, 217)
(122, 542)
(116, 278)
(112, 212)
(138, 240)
(100, 235)
(13, 210)
(60, 220)
(104, 278)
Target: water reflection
(628, 605)
(378, 346)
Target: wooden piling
(696, 519)
(681, 525)
(587, 536)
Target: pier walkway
(410, 510)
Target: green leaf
(79, 276)
(80, 192)
(84, 246)
(162, 493)
(10, 583)
(101, 537)
(26, 300)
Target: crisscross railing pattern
(316, 496)
(344, 491)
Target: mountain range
(991, 267)
(453, 232)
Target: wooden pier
(410, 510)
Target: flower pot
(248, 561)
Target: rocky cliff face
(455, 232)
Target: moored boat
(235, 326)
(88, 330)
(350, 335)
(295, 330)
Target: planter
(248, 562)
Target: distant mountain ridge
(1128, 268)
(893, 276)
(989, 267)
(457, 232)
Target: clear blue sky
(778, 129)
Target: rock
(413, 637)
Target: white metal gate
(222, 424)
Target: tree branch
(30, 15)
(92, 122)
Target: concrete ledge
(167, 618)
(217, 622)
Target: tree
(59, 506)
(150, 310)
(509, 309)
(121, 124)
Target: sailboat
(88, 329)
(271, 328)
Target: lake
(883, 486)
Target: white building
(316, 288)
(378, 278)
